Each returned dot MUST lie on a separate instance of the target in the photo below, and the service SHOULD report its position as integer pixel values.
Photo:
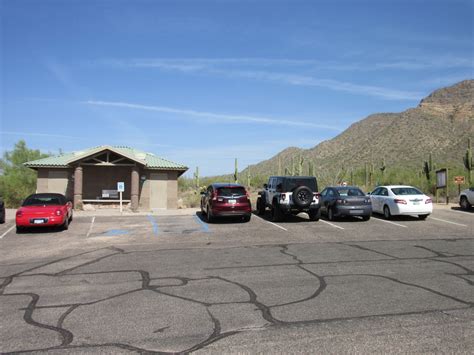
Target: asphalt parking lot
(173, 283)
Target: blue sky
(204, 82)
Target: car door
(323, 200)
(271, 190)
(470, 195)
(375, 199)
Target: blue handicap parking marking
(154, 224)
(115, 232)
(204, 226)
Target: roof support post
(134, 188)
(78, 188)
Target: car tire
(260, 206)
(330, 214)
(277, 215)
(302, 196)
(464, 203)
(423, 216)
(70, 218)
(19, 230)
(314, 214)
(365, 218)
(386, 212)
(246, 219)
(2, 219)
(65, 225)
(209, 218)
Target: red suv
(224, 200)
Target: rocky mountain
(440, 124)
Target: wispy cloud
(212, 115)
(299, 72)
(36, 134)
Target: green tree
(18, 181)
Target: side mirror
(265, 186)
(203, 193)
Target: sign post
(120, 189)
(442, 182)
(459, 180)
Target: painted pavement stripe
(445, 221)
(333, 225)
(9, 229)
(204, 226)
(383, 220)
(90, 228)
(154, 224)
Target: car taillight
(367, 200)
(400, 201)
(58, 213)
(19, 213)
(428, 200)
(214, 195)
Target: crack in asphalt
(67, 337)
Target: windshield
(406, 191)
(350, 192)
(44, 201)
(293, 183)
(231, 191)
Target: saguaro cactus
(196, 177)
(279, 165)
(468, 161)
(382, 168)
(248, 176)
(236, 172)
(310, 168)
(428, 168)
(300, 162)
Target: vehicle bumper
(231, 211)
(289, 208)
(28, 221)
(364, 210)
(411, 210)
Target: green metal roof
(149, 160)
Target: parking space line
(204, 226)
(443, 220)
(9, 229)
(332, 225)
(153, 223)
(383, 220)
(273, 224)
(456, 211)
(90, 228)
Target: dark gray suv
(286, 195)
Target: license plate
(356, 211)
(232, 201)
(38, 221)
(416, 203)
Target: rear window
(293, 183)
(231, 191)
(350, 192)
(406, 191)
(44, 200)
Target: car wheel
(2, 219)
(65, 225)
(386, 212)
(209, 218)
(19, 230)
(260, 206)
(277, 215)
(70, 218)
(366, 218)
(246, 219)
(314, 215)
(464, 203)
(330, 214)
(423, 216)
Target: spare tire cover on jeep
(302, 196)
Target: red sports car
(45, 210)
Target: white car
(466, 198)
(401, 200)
